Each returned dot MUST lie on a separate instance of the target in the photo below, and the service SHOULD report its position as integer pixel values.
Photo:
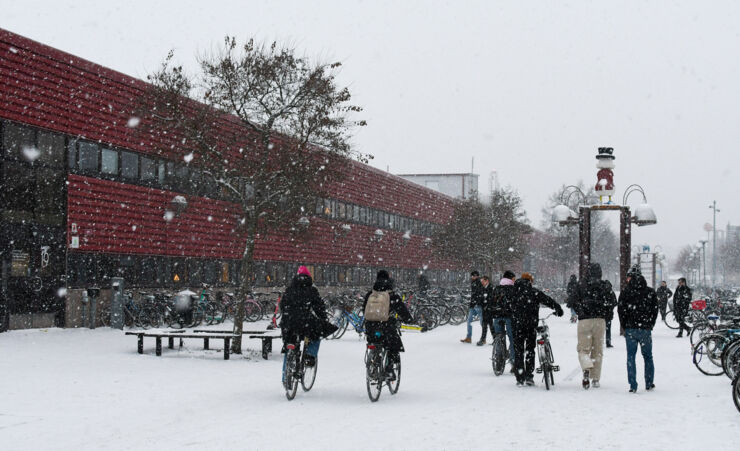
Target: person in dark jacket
(609, 313)
(486, 309)
(664, 293)
(638, 311)
(386, 332)
(594, 299)
(475, 308)
(423, 283)
(572, 293)
(304, 315)
(525, 309)
(681, 302)
(503, 298)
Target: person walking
(486, 309)
(525, 309)
(304, 315)
(638, 311)
(572, 293)
(594, 297)
(664, 293)
(503, 298)
(681, 302)
(609, 313)
(475, 306)
(381, 325)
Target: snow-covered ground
(85, 389)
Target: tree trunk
(246, 275)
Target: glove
(559, 311)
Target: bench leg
(171, 343)
(266, 347)
(159, 345)
(227, 346)
(141, 344)
(205, 343)
(181, 343)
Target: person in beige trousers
(594, 299)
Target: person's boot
(595, 383)
(466, 340)
(586, 381)
(481, 342)
(680, 334)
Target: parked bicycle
(544, 352)
(295, 369)
(380, 370)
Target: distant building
(459, 186)
(733, 232)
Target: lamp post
(704, 253)
(714, 241)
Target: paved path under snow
(82, 389)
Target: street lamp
(714, 242)
(704, 253)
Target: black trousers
(525, 339)
(608, 331)
(681, 319)
(487, 323)
(663, 305)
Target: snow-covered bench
(266, 342)
(171, 335)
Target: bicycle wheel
(708, 355)
(396, 371)
(309, 375)
(373, 374)
(498, 355)
(736, 391)
(697, 332)
(544, 364)
(731, 359)
(550, 364)
(290, 379)
(341, 323)
(252, 311)
(670, 320)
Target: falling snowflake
(13, 50)
(133, 122)
(169, 215)
(133, 227)
(30, 153)
(210, 218)
(188, 158)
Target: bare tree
(488, 236)
(271, 128)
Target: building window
(129, 165)
(17, 138)
(148, 169)
(87, 156)
(109, 161)
(18, 187)
(51, 146)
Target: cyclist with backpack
(381, 307)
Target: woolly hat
(528, 276)
(634, 271)
(303, 271)
(509, 275)
(383, 275)
(474, 274)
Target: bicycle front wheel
(736, 391)
(342, 324)
(252, 311)
(290, 379)
(731, 359)
(708, 355)
(395, 377)
(550, 363)
(374, 374)
(670, 320)
(309, 375)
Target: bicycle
(379, 371)
(736, 391)
(544, 351)
(342, 317)
(707, 354)
(499, 354)
(296, 370)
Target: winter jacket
(612, 301)
(526, 305)
(304, 313)
(682, 299)
(487, 299)
(638, 305)
(595, 297)
(476, 293)
(503, 297)
(572, 292)
(663, 293)
(386, 332)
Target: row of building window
(168, 272)
(343, 211)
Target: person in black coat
(386, 332)
(475, 308)
(486, 309)
(681, 302)
(664, 293)
(503, 298)
(638, 311)
(609, 312)
(525, 309)
(304, 314)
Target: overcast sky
(530, 91)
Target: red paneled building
(84, 198)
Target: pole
(714, 242)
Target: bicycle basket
(699, 304)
